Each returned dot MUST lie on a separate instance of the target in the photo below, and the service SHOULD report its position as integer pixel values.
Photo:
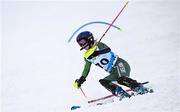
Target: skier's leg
(133, 84)
(121, 68)
(123, 71)
(113, 88)
(108, 85)
(126, 81)
(107, 82)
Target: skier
(101, 55)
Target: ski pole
(83, 92)
(112, 22)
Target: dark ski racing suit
(118, 69)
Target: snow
(39, 66)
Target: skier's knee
(108, 85)
(126, 81)
(122, 79)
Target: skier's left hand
(78, 82)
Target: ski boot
(121, 93)
(140, 89)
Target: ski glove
(78, 82)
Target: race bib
(105, 61)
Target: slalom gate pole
(83, 92)
(112, 22)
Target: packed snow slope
(39, 66)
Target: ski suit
(111, 63)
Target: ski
(110, 96)
(133, 94)
(107, 99)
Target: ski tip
(75, 107)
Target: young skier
(101, 55)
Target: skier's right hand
(78, 82)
